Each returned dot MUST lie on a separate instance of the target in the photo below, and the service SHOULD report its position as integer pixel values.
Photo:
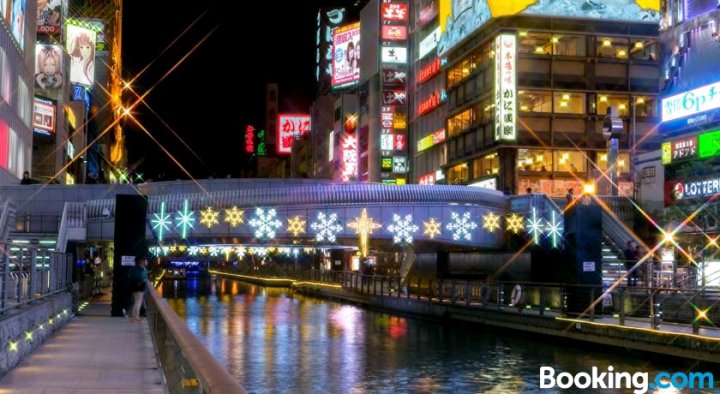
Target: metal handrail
(205, 374)
(74, 215)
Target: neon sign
(350, 157)
(702, 99)
(428, 71)
(249, 139)
(505, 89)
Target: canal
(274, 340)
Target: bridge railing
(189, 367)
(29, 273)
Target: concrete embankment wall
(23, 329)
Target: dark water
(273, 340)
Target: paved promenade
(94, 353)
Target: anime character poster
(346, 55)
(49, 16)
(48, 66)
(80, 46)
(17, 21)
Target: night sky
(209, 99)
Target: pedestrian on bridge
(516, 297)
(137, 279)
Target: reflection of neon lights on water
(185, 263)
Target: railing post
(430, 290)
(467, 292)
(592, 304)
(374, 283)
(33, 270)
(419, 281)
(6, 277)
(622, 307)
(500, 295)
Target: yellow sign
(666, 152)
(399, 121)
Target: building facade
(513, 98)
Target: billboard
(394, 97)
(429, 43)
(394, 33)
(49, 17)
(691, 103)
(17, 21)
(346, 55)
(459, 19)
(80, 46)
(48, 66)
(397, 12)
(290, 128)
(394, 55)
(327, 20)
(392, 77)
(44, 116)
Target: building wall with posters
(690, 98)
(527, 90)
(17, 54)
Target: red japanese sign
(430, 70)
(428, 104)
(249, 139)
(684, 148)
(394, 12)
(427, 179)
(394, 97)
(349, 158)
(290, 128)
(394, 77)
(394, 33)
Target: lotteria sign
(677, 190)
(690, 106)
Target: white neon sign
(505, 87)
(693, 102)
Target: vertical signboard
(290, 128)
(505, 87)
(327, 20)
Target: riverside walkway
(94, 353)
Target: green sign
(709, 144)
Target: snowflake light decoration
(514, 223)
(185, 219)
(461, 226)
(432, 228)
(491, 222)
(234, 216)
(296, 226)
(209, 217)
(161, 222)
(326, 227)
(265, 223)
(535, 226)
(554, 229)
(193, 250)
(402, 229)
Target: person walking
(138, 282)
(517, 297)
(569, 197)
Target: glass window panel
(569, 45)
(534, 160)
(646, 106)
(623, 162)
(612, 47)
(643, 49)
(535, 101)
(569, 103)
(606, 100)
(535, 43)
(569, 161)
(458, 174)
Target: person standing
(569, 196)
(26, 180)
(138, 282)
(517, 297)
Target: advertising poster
(48, 66)
(17, 21)
(43, 116)
(49, 17)
(80, 46)
(346, 55)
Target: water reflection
(274, 340)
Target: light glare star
(491, 222)
(535, 226)
(554, 229)
(234, 216)
(461, 226)
(432, 228)
(185, 219)
(514, 223)
(265, 223)
(402, 229)
(209, 217)
(161, 222)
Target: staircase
(612, 265)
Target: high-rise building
(511, 95)
(17, 86)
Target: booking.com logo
(639, 382)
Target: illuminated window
(643, 49)
(621, 102)
(534, 160)
(569, 45)
(569, 161)
(612, 47)
(645, 106)
(569, 103)
(534, 101)
(487, 165)
(468, 66)
(458, 174)
(536, 44)
(461, 122)
(623, 162)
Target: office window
(534, 160)
(535, 43)
(569, 45)
(623, 164)
(569, 103)
(606, 100)
(460, 122)
(643, 49)
(458, 174)
(535, 101)
(487, 165)
(646, 106)
(612, 47)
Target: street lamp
(612, 128)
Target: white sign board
(588, 266)
(127, 261)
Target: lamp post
(612, 128)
